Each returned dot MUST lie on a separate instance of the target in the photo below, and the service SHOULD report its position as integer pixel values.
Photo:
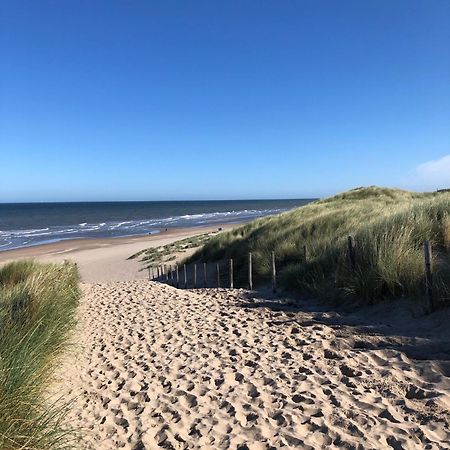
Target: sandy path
(166, 368)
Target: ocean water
(27, 224)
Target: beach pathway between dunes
(158, 367)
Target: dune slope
(389, 227)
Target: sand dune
(159, 367)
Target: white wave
(7, 243)
(118, 225)
(21, 238)
(25, 232)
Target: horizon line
(156, 201)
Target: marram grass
(389, 227)
(37, 306)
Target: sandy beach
(159, 367)
(103, 260)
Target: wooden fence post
(218, 275)
(177, 275)
(274, 274)
(250, 272)
(149, 274)
(170, 274)
(231, 274)
(351, 252)
(205, 279)
(166, 273)
(185, 276)
(195, 276)
(157, 271)
(428, 272)
(305, 253)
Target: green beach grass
(155, 256)
(37, 307)
(389, 227)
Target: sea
(29, 224)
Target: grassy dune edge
(166, 253)
(37, 307)
(389, 227)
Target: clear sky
(154, 100)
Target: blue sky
(143, 100)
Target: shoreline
(23, 225)
(106, 259)
(73, 245)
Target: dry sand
(158, 367)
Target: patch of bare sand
(210, 369)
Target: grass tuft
(37, 306)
